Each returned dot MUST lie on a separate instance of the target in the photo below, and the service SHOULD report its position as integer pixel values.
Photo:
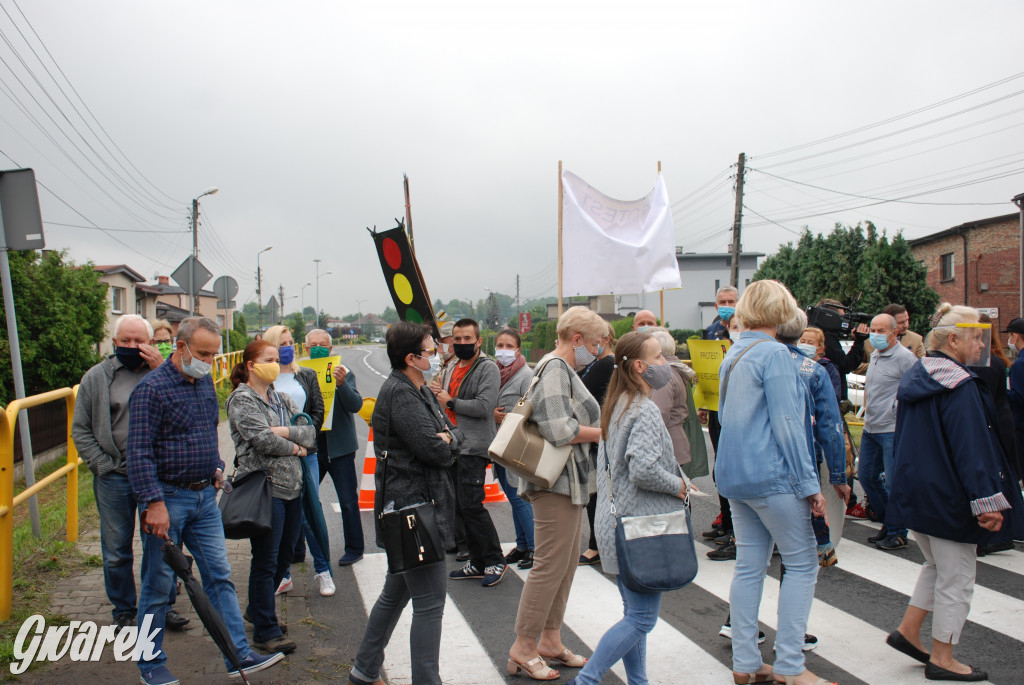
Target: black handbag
(656, 553)
(246, 510)
(411, 536)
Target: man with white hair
(100, 432)
(889, 362)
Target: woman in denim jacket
(765, 467)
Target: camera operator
(846, 362)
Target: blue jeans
(118, 509)
(626, 640)
(271, 556)
(346, 486)
(306, 537)
(522, 512)
(786, 521)
(876, 458)
(428, 589)
(195, 519)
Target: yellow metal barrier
(7, 499)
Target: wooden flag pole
(559, 238)
(661, 293)
(408, 213)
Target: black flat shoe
(896, 640)
(516, 555)
(527, 560)
(933, 672)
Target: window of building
(718, 284)
(116, 300)
(946, 267)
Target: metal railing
(7, 499)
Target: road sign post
(226, 288)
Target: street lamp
(193, 295)
(259, 288)
(302, 302)
(318, 277)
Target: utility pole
(737, 223)
(193, 296)
(280, 291)
(317, 281)
(517, 301)
(259, 296)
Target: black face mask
(129, 357)
(465, 351)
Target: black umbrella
(181, 564)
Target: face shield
(975, 342)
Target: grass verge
(42, 564)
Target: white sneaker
(326, 583)
(285, 586)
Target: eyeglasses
(428, 353)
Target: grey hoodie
(474, 404)
(256, 446)
(91, 428)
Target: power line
(890, 120)
(117, 230)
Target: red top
(458, 375)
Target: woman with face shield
(945, 437)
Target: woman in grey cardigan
(515, 379)
(566, 414)
(414, 436)
(260, 420)
(637, 452)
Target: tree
(251, 310)
(854, 267)
(321, 321)
(238, 340)
(390, 315)
(240, 325)
(308, 312)
(62, 312)
(297, 324)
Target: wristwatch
(450, 404)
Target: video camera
(831, 321)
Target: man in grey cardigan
(469, 392)
(100, 432)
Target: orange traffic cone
(492, 489)
(367, 487)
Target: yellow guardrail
(223, 363)
(7, 499)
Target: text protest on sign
(324, 368)
(706, 356)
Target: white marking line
(1010, 560)
(873, 661)
(463, 661)
(988, 608)
(669, 652)
(366, 356)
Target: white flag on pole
(616, 246)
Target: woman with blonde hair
(566, 414)
(637, 469)
(765, 467)
(952, 485)
(302, 385)
(163, 337)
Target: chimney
(163, 280)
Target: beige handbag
(520, 448)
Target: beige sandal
(747, 678)
(567, 659)
(535, 668)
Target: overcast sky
(306, 115)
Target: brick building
(976, 264)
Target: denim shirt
(763, 449)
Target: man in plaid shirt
(175, 469)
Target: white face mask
(808, 349)
(196, 368)
(1011, 347)
(505, 357)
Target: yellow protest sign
(706, 356)
(324, 368)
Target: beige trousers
(945, 585)
(557, 525)
(834, 507)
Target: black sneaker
(175, 621)
(723, 553)
(467, 572)
(462, 555)
(516, 555)
(724, 539)
(810, 642)
(122, 621)
(726, 632)
(892, 541)
(493, 575)
(526, 561)
(712, 534)
(878, 536)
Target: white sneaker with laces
(285, 586)
(326, 583)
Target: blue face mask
(287, 354)
(808, 349)
(725, 313)
(879, 341)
